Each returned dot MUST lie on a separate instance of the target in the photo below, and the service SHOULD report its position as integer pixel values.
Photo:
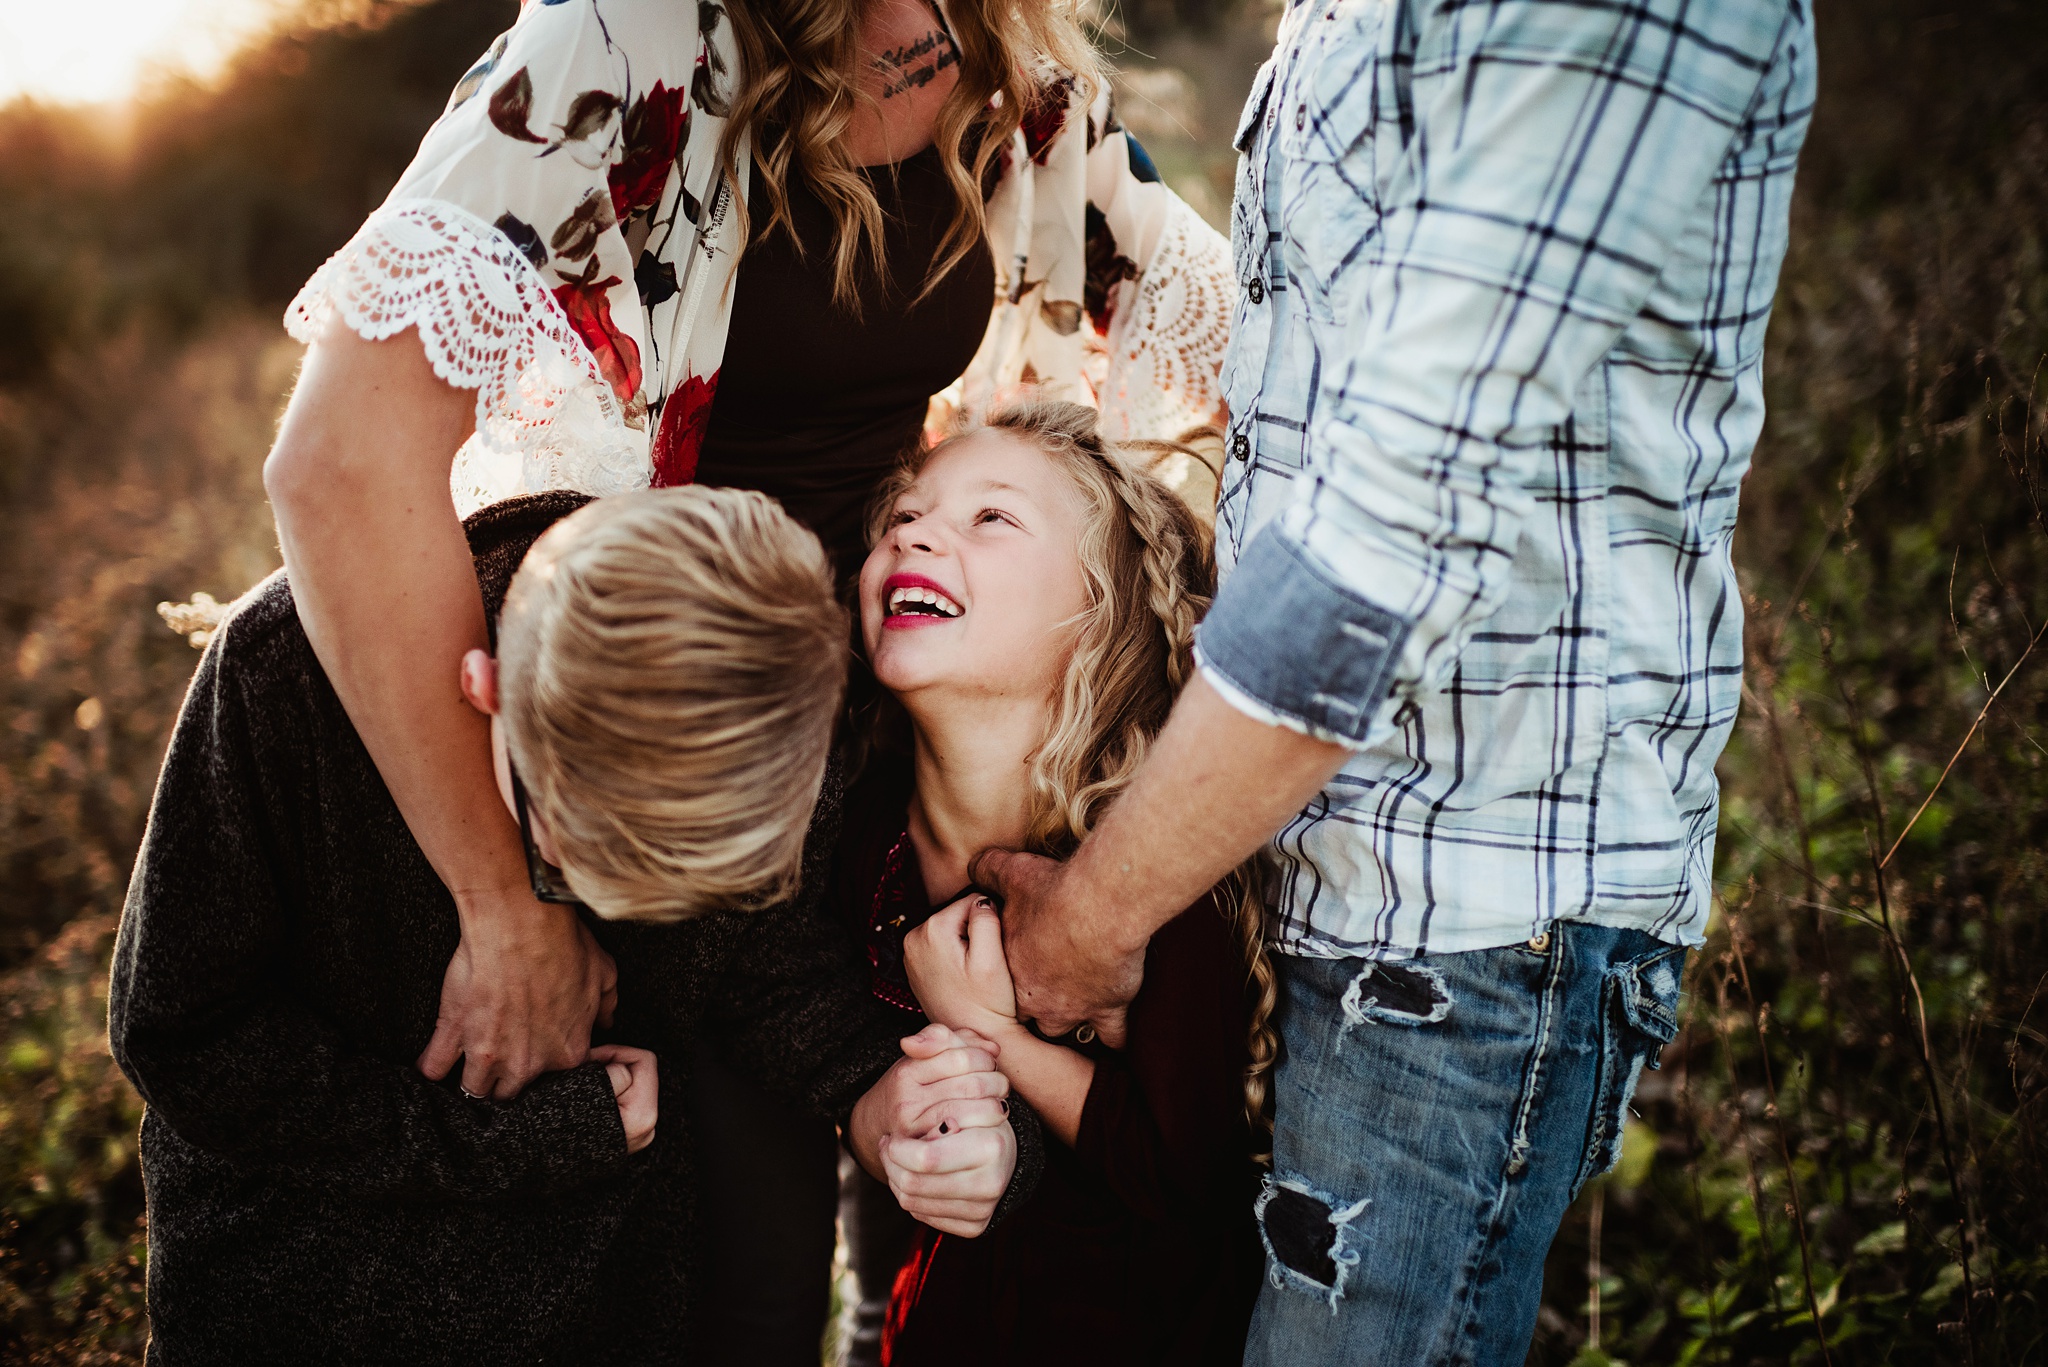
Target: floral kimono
(566, 246)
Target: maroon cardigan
(1139, 1245)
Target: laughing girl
(1030, 603)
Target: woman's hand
(635, 1087)
(957, 969)
(520, 995)
(936, 1128)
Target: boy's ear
(480, 682)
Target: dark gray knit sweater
(313, 1198)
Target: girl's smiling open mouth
(913, 600)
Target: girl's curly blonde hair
(800, 86)
(1147, 563)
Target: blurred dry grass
(150, 487)
(1851, 1120)
(143, 265)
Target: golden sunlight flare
(89, 51)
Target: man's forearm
(1215, 787)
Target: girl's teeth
(932, 597)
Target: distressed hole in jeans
(1305, 1234)
(1397, 994)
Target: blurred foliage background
(1842, 1159)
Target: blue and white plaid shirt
(1504, 268)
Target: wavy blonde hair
(670, 670)
(1149, 571)
(799, 87)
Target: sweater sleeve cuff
(1290, 645)
(1030, 1132)
(575, 1118)
(1108, 1093)
(856, 1076)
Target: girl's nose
(917, 536)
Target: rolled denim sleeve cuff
(1288, 638)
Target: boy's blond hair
(671, 666)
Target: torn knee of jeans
(1397, 994)
(1307, 1235)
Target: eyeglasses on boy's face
(549, 884)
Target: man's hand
(1215, 787)
(636, 1087)
(520, 996)
(1066, 967)
(936, 1128)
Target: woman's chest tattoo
(915, 64)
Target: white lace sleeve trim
(545, 417)
(1166, 346)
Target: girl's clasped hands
(937, 1126)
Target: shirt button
(1241, 446)
(1300, 117)
(1257, 290)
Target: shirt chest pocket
(1325, 142)
(1247, 212)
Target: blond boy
(671, 666)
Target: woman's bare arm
(385, 587)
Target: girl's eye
(901, 516)
(991, 515)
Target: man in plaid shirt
(1495, 378)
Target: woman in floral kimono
(652, 241)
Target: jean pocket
(1638, 1017)
(1648, 995)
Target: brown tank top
(814, 404)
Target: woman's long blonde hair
(1147, 564)
(800, 85)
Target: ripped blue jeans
(1434, 1120)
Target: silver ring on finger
(466, 1092)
